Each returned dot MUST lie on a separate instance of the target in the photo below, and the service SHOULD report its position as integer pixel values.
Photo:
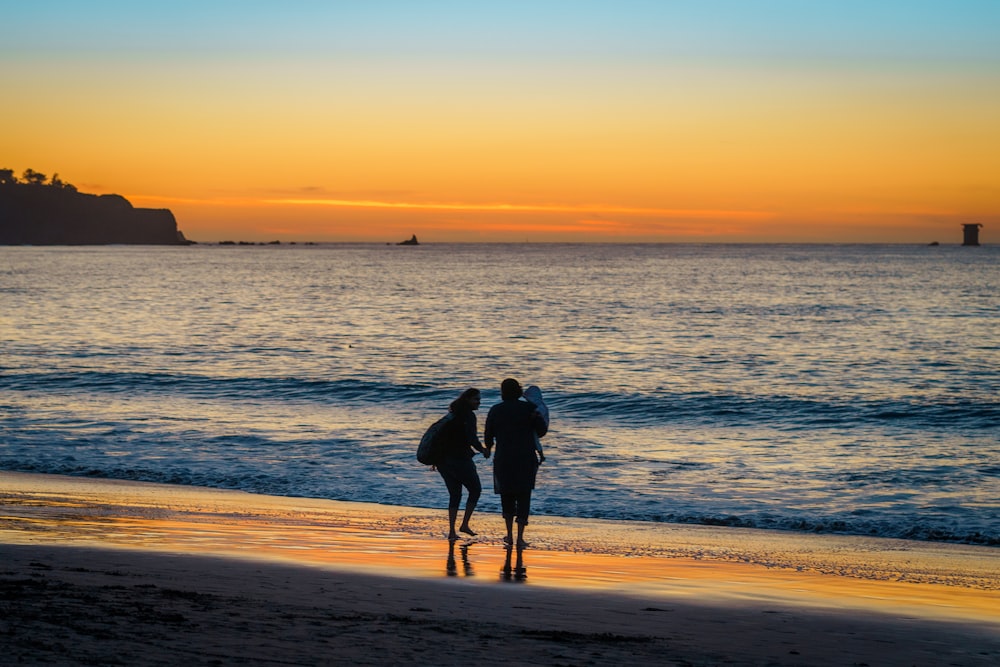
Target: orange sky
(328, 124)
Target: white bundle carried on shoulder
(534, 395)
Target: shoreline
(611, 590)
(68, 507)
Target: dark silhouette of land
(410, 241)
(33, 212)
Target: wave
(636, 409)
(204, 386)
(776, 409)
(919, 529)
(300, 447)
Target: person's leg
(523, 510)
(508, 503)
(470, 479)
(454, 485)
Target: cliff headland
(33, 212)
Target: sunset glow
(753, 121)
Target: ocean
(847, 389)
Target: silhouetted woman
(456, 466)
(512, 424)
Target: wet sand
(104, 572)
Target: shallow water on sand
(407, 541)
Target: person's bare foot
(507, 540)
(452, 536)
(467, 531)
(521, 544)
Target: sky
(550, 120)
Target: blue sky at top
(890, 31)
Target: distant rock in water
(410, 241)
(37, 214)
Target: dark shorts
(516, 505)
(457, 473)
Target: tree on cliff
(57, 182)
(32, 177)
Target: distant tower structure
(971, 233)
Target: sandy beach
(105, 572)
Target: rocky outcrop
(33, 214)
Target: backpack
(431, 446)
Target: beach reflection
(452, 566)
(518, 572)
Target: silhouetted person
(456, 466)
(512, 425)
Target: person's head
(533, 393)
(468, 399)
(510, 389)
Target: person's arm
(488, 433)
(472, 436)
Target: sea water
(829, 388)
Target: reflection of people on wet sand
(519, 571)
(456, 466)
(512, 425)
(452, 565)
